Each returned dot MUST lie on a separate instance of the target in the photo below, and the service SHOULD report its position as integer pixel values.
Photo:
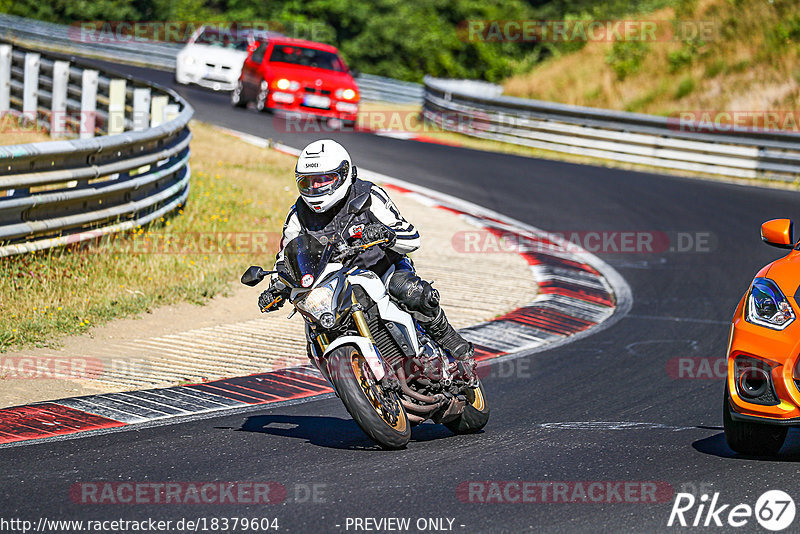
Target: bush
(684, 88)
(626, 57)
(784, 33)
(717, 67)
(678, 59)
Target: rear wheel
(475, 414)
(378, 412)
(753, 439)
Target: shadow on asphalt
(331, 432)
(716, 446)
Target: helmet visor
(321, 183)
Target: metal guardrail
(69, 39)
(379, 89)
(479, 111)
(71, 190)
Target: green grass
(235, 188)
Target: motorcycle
(389, 374)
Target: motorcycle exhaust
(401, 375)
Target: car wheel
(261, 98)
(752, 439)
(236, 96)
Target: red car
(281, 73)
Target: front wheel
(475, 414)
(237, 99)
(378, 412)
(753, 439)
(261, 97)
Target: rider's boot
(443, 333)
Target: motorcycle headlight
(767, 306)
(319, 304)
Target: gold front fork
(361, 321)
(322, 339)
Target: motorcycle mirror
(358, 204)
(254, 275)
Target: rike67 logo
(774, 510)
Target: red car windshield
(308, 57)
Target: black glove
(378, 231)
(272, 299)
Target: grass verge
(238, 200)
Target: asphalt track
(682, 304)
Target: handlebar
(354, 250)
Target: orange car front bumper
(778, 349)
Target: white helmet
(324, 173)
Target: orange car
(762, 398)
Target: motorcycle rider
(327, 181)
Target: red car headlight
(346, 94)
(287, 85)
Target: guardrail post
(58, 105)
(116, 106)
(171, 111)
(157, 105)
(5, 79)
(30, 93)
(88, 103)
(141, 108)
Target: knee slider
(413, 292)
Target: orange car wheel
(752, 439)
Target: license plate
(316, 101)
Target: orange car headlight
(767, 306)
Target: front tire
(752, 439)
(475, 414)
(379, 413)
(237, 100)
(261, 97)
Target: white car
(213, 58)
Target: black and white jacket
(381, 209)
